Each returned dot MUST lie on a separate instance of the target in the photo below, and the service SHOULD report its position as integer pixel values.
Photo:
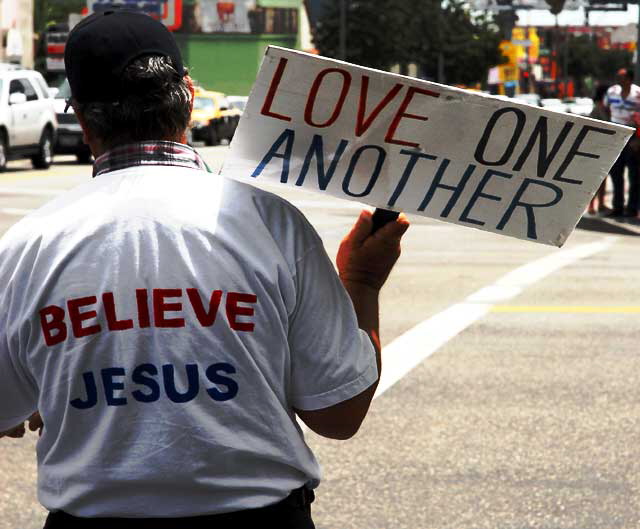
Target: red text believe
(159, 307)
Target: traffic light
(555, 6)
(506, 21)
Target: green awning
(279, 3)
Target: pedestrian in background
(170, 324)
(600, 112)
(622, 101)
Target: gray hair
(156, 105)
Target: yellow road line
(567, 310)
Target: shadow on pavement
(9, 169)
(602, 225)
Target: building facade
(16, 31)
(223, 42)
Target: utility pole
(555, 57)
(440, 24)
(343, 30)
(565, 62)
(636, 77)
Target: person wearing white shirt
(623, 104)
(165, 327)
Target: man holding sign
(168, 325)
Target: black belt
(298, 499)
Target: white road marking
(299, 203)
(15, 211)
(411, 348)
(42, 192)
(302, 204)
(414, 346)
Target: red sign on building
(169, 12)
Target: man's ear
(83, 125)
(95, 144)
(192, 90)
(189, 81)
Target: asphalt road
(528, 418)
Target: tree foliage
(47, 12)
(381, 33)
(586, 59)
(369, 41)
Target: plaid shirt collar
(148, 153)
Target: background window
(23, 86)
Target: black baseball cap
(102, 45)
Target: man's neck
(148, 153)
(98, 148)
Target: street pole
(343, 30)
(556, 38)
(565, 62)
(440, 66)
(441, 78)
(636, 77)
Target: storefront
(223, 42)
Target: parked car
(231, 115)
(238, 102)
(212, 119)
(582, 106)
(553, 104)
(28, 122)
(69, 140)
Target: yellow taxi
(213, 119)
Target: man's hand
(366, 259)
(364, 263)
(17, 432)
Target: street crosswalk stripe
(410, 349)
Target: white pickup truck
(28, 122)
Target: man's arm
(364, 263)
(18, 394)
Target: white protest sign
(404, 144)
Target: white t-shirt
(622, 109)
(165, 322)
